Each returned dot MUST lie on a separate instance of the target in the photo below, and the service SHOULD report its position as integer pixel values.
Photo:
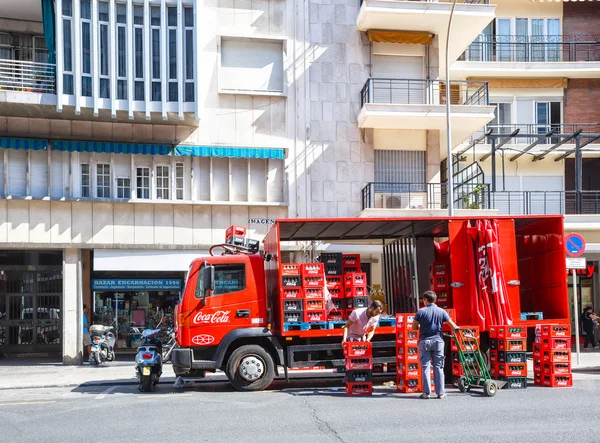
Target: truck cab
(221, 322)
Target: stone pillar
(433, 156)
(72, 307)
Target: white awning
(144, 260)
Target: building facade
(134, 132)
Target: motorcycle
(103, 343)
(169, 345)
(148, 361)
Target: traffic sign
(576, 263)
(575, 245)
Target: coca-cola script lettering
(216, 317)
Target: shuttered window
(393, 169)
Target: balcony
(470, 19)
(27, 82)
(421, 104)
(433, 196)
(531, 56)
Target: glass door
(521, 40)
(554, 35)
(503, 40)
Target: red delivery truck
(251, 314)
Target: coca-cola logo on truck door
(216, 317)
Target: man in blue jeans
(429, 321)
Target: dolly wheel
(462, 384)
(490, 388)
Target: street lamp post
(450, 178)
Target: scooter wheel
(147, 383)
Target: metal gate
(31, 310)
(400, 275)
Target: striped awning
(108, 147)
(230, 152)
(23, 143)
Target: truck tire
(250, 368)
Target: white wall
(400, 139)
(520, 8)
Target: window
(229, 278)
(404, 171)
(85, 180)
(172, 47)
(251, 66)
(86, 48)
(67, 23)
(138, 39)
(103, 180)
(103, 50)
(501, 124)
(143, 183)
(162, 182)
(155, 41)
(179, 181)
(188, 51)
(121, 51)
(124, 187)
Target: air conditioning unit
(387, 201)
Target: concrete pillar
(72, 307)
(433, 156)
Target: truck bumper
(183, 361)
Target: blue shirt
(85, 324)
(430, 319)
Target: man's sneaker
(443, 396)
(425, 396)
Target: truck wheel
(250, 368)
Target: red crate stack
(313, 284)
(292, 293)
(552, 355)
(351, 263)
(408, 366)
(335, 286)
(508, 357)
(355, 291)
(359, 368)
(470, 344)
(439, 278)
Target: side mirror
(208, 278)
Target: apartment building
(133, 132)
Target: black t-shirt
(588, 323)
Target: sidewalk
(46, 373)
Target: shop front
(588, 289)
(133, 303)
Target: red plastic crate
(359, 363)
(537, 350)
(293, 293)
(512, 369)
(339, 304)
(334, 282)
(557, 380)
(351, 260)
(408, 370)
(290, 269)
(404, 321)
(336, 293)
(494, 356)
(356, 291)
(457, 369)
(235, 231)
(439, 269)
(556, 356)
(409, 354)
(537, 378)
(408, 385)
(315, 316)
(313, 294)
(313, 269)
(558, 331)
(359, 389)
(355, 279)
(537, 365)
(556, 368)
(556, 343)
(512, 345)
(336, 316)
(358, 349)
(407, 337)
(508, 332)
(439, 283)
(314, 305)
(350, 269)
(313, 281)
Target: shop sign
(584, 273)
(136, 284)
(261, 221)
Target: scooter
(169, 345)
(148, 361)
(103, 343)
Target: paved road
(306, 411)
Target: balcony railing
(379, 195)
(16, 75)
(424, 196)
(533, 130)
(523, 48)
(423, 92)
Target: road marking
(103, 394)
(27, 403)
(164, 395)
